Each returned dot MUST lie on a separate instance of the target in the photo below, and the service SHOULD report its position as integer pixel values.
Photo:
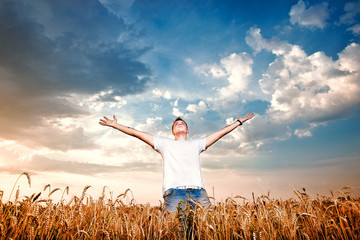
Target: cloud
(117, 7)
(302, 133)
(48, 55)
(44, 164)
(238, 67)
(314, 16)
(310, 88)
(176, 112)
(307, 90)
(211, 70)
(244, 141)
(122, 9)
(255, 40)
(165, 94)
(201, 107)
(352, 9)
(235, 68)
(355, 29)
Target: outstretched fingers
(249, 115)
(108, 122)
(102, 122)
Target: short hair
(178, 119)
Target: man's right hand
(108, 122)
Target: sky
(65, 64)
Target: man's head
(178, 124)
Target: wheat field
(83, 217)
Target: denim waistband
(189, 187)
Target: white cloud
(349, 61)
(238, 67)
(246, 140)
(314, 87)
(250, 147)
(176, 112)
(355, 29)
(98, 101)
(211, 70)
(154, 121)
(305, 131)
(258, 43)
(157, 92)
(301, 87)
(302, 133)
(314, 16)
(167, 95)
(235, 68)
(164, 94)
(201, 107)
(189, 60)
(263, 128)
(352, 9)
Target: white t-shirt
(181, 161)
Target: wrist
(238, 120)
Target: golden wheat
(106, 218)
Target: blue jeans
(173, 196)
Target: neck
(180, 136)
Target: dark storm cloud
(53, 49)
(80, 59)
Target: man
(182, 180)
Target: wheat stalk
(28, 178)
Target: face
(180, 126)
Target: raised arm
(214, 137)
(144, 136)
